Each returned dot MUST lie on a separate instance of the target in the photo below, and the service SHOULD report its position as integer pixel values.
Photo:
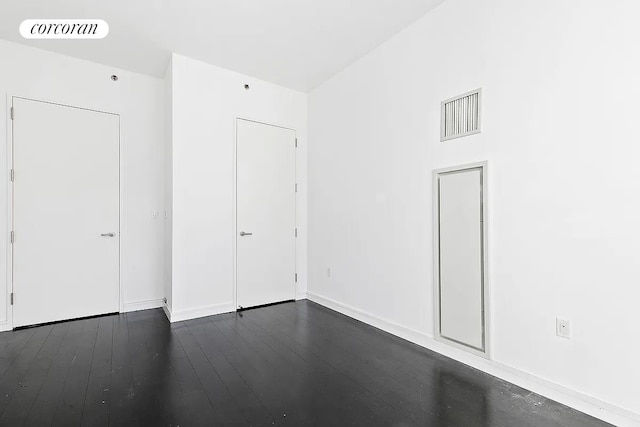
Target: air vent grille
(460, 115)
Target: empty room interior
(320, 213)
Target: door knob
(108, 235)
(242, 234)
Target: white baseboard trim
(582, 402)
(301, 295)
(4, 327)
(167, 312)
(194, 313)
(142, 305)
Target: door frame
(10, 200)
(235, 204)
(483, 166)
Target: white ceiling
(294, 43)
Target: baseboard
(582, 402)
(194, 313)
(301, 295)
(142, 305)
(167, 312)
(4, 327)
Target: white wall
(206, 102)
(560, 85)
(138, 99)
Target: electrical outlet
(563, 328)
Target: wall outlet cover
(563, 328)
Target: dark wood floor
(291, 364)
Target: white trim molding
(582, 402)
(167, 312)
(485, 350)
(5, 326)
(194, 313)
(142, 305)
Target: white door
(461, 257)
(65, 212)
(265, 214)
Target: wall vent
(460, 115)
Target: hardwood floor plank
(121, 392)
(24, 395)
(70, 408)
(10, 353)
(139, 374)
(97, 399)
(15, 372)
(6, 338)
(315, 353)
(221, 356)
(383, 386)
(50, 393)
(306, 388)
(221, 400)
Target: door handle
(242, 234)
(108, 235)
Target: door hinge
(296, 281)
(296, 138)
(12, 113)
(13, 175)
(296, 232)
(296, 182)
(12, 237)
(11, 298)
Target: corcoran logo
(64, 29)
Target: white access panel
(460, 258)
(65, 212)
(266, 220)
